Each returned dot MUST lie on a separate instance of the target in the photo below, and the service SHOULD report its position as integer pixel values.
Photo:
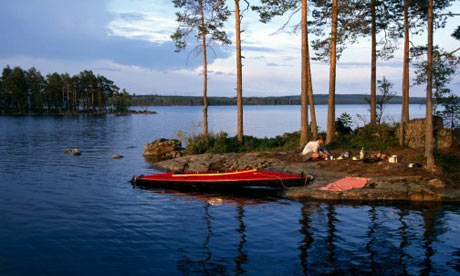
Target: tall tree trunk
(304, 79)
(314, 126)
(405, 84)
(429, 141)
(92, 98)
(99, 97)
(75, 102)
(373, 67)
(68, 97)
(205, 71)
(332, 73)
(239, 73)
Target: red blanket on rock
(346, 184)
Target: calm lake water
(78, 215)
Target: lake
(78, 215)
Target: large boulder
(415, 134)
(162, 147)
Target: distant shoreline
(320, 99)
(129, 112)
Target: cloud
(357, 64)
(150, 27)
(85, 30)
(275, 64)
(259, 49)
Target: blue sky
(128, 41)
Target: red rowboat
(217, 180)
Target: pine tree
(204, 18)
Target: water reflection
(331, 218)
(335, 238)
(402, 213)
(206, 265)
(394, 243)
(307, 240)
(242, 256)
(372, 237)
(242, 198)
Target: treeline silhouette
(29, 91)
(161, 100)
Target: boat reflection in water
(327, 237)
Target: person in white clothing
(313, 149)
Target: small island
(29, 92)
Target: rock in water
(68, 151)
(76, 151)
(161, 147)
(117, 156)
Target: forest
(28, 91)
(163, 100)
(334, 25)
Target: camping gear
(393, 159)
(414, 165)
(361, 154)
(346, 184)
(221, 180)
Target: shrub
(371, 137)
(221, 143)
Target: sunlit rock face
(415, 134)
(162, 147)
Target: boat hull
(228, 180)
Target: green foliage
(445, 66)
(350, 26)
(451, 111)
(215, 13)
(345, 119)
(272, 8)
(122, 101)
(221, 143)
(456, 33)
(386, 95)
(28, 91)
(371, 137)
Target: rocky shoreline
(413, 186)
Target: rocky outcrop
(74, 151)
(232, 161)
(415, 134)
(163, 147)
(409, 188)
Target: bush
(221, 143)
(371, 137)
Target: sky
(129, 42)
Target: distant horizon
(319, 99)
(269, 96)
